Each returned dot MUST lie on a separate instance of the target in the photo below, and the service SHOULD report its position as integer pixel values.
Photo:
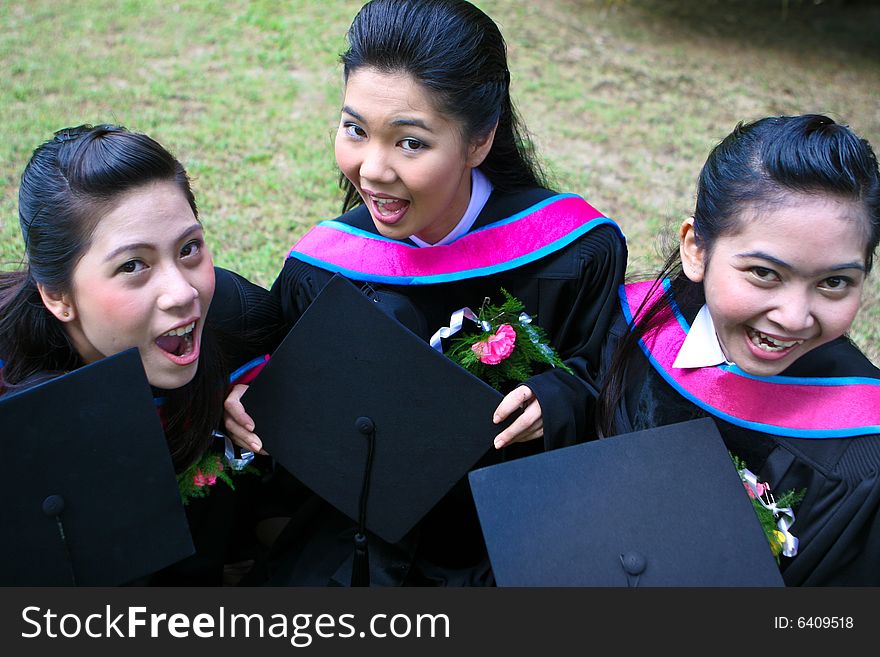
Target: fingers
(528, 426)
(513, 401)
(238, 424)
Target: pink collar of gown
(799, 407)
(512, 242)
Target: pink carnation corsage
(498, 347)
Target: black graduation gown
(570, 293)
(838, 522)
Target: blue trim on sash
(358, 232)
(776, 378)
(755, 426)
(458, 275)
(247, 367)
(540, 205)
(259, 360)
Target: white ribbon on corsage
(455, 323)
(235, 462)
(784, 515)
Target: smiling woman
(445, 205)
(408, 161)
(146, 281)
(116, 259)
(747, 324)
(787, 281)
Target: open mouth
(389, 206)
(389, 210)
(177, 342)
(770, 344)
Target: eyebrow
(418, 123)
(134, 246)
(347, 110)
(403, 121)
(766, 256)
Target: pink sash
(507, 244)
(832, 407)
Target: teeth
(388, 206)
(386, 201)
(768, 343)
(183, 330)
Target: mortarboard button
(633, 563)
(365, 425)
(53, 505)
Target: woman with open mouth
(116, 258)
(445, 205)
(747, 325)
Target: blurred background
(623, 98)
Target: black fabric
(571, 294)
(660, 507)
(838, 522)
(245, 317)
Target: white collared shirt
(701, 347)
(481, 188)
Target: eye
(836, 283)
(191, 248)
(412, 145)
(764, 275)
(132, 266)
(354, 131)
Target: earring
(66, 314)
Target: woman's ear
(479, 148)
(58, 304)
(693, 255)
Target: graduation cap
(369, 416)
(89, 493)
(661, 507)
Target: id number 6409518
(813, 622)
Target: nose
(176, 290)
(376, 164)
(793, 311)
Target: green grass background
(624, 99)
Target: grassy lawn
(624, 98)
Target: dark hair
(758, 165)
(457, 52)
(70, 182)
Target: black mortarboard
(661, 507)
(89, 492)
(348, 377)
